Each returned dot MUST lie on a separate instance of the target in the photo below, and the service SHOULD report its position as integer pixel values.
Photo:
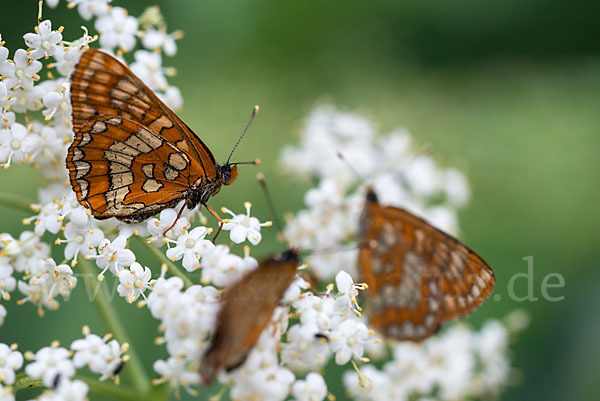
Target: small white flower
(81, 241)
(91, 351)
(313, 388)
(6, 393)
(154, 39)
(172, 97)
(178, 372)
(305, 348)
(31, 251)
(269, 384)
(89, 8)
(16, 144)
(113, 256)
(117, 29)
(316, 310)
(156, 227)
(49, 362)
(346, 300)
(348, 340)
(7, 281)
(223, 268)
(148, 67)
(6, 99)
(191, 247)
(134, 282)
(54, 280)
(21, 72)
(10, 361)
(2, 314)
(30, 99)
(75, 390)
(66, 58)
(244, 226)
(44, 42)
(58, 104)
(163, 291)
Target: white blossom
(113, 256)
(117, 29)
(191, 247)
(44, 42)
(133, 282)
(75, 390)
(50, 362)
(89, 8)
(10, 361)
(20, 72)
(313, 388)
(244, 226)
(16, 144)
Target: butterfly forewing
(102, 85)
(418, 276)
(247, 309)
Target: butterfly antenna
(359, 177)
(254, 113)
(260, 177)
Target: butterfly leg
(221, 222)
(175, 221)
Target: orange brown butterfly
(418, 276)
(132, 156)
(247, 309)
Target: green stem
(22, 381)
(110, 317)
(14, 201)
(110, 390)
(163, 258)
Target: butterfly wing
(247, 309)
(102, 85)
(418, 276)
(119, 168)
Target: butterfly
(418, 276)
(132, 156)
(246, 310)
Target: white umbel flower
(348, 340)
(44, 42)
(114, 256)
(313, 388)
(244, 226)
(117, 29)
(10, 361)
(75, 390)
(134, 282)
(16, 144)
(21, 72)
(191, 247)
(50, 362)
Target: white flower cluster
(388, 163)
(55, 366)
(458, 365)
(307, 330)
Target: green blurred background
(507, 91)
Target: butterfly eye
(230, 175)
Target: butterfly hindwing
(418, 276)
(119, 168)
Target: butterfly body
(247, 309)
(418, 276)
(132, 156)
